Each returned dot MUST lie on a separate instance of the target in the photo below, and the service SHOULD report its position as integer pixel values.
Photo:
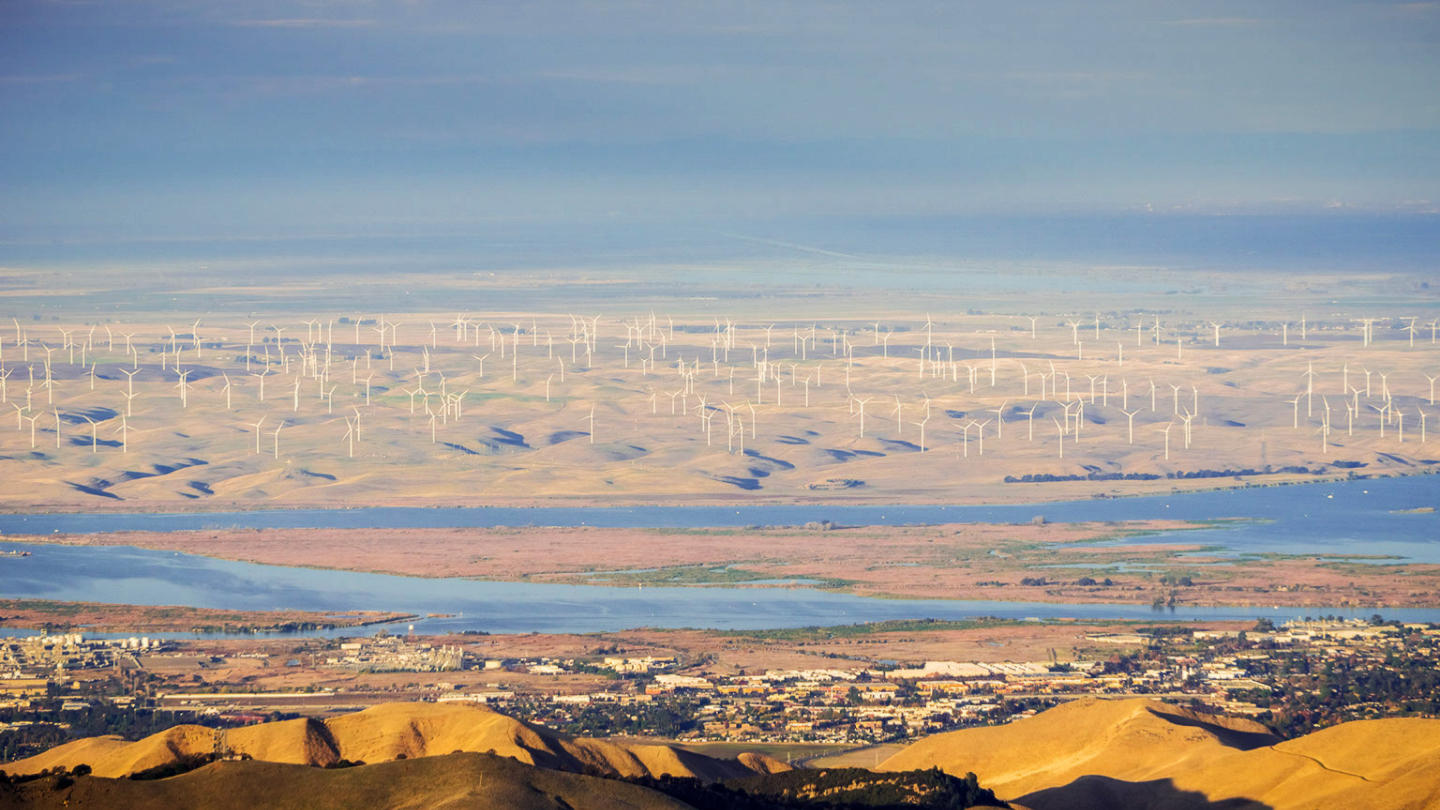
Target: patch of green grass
(816, 633)
(707, 575)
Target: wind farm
(684, 404)
(797, 406)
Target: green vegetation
(1312, 694)
(51, 616)
(727, 574)
(830, 789)
(814, 633)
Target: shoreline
(620, 502)
(59, 616)
(1053, 563)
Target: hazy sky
(179, 118)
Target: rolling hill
(391, 732)
(447, 782)
(1144, 755)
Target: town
(1296, 677)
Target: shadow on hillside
(1244, 740)
(1104, 793)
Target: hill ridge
(1145, 755)
(389, 732)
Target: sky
(264, 119)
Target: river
(1356, 517)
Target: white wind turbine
(95, 435)
(1130, 416)
(349, 437)
(124, 431)
(1166, 431)
(921, 425)
(980, 433)
(1000, 419)
(256, 425)
(861, 403)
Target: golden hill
(436, 783)
(395, 731)
(1144, 755)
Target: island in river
(1061, 562)
(97, 617)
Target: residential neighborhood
(1295, 677)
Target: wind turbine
(95, 434)
(921, 425)
(349, 437)
(1411, 329)
(861, 403)
(257, 425)
(1130, 416)
(32, 420)
(1000, 419)
(980, 432)
(124, 431)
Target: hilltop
(449, 781)
(1085, 755)
(1142, 754)
(390, 732)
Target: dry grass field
(274, 399)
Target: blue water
(1353, 517)
(128, 575)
